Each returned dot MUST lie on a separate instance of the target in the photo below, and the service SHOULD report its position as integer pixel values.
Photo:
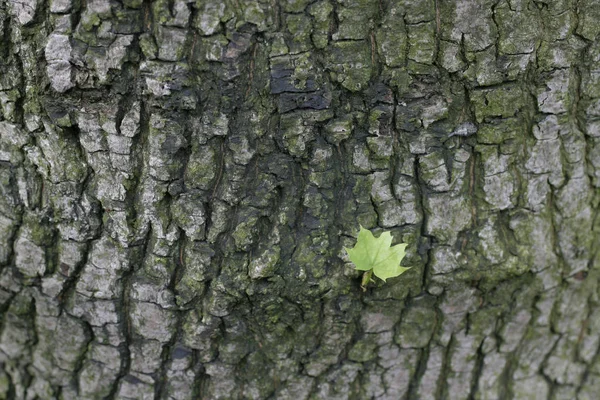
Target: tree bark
(179, 180)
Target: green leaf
(377, 254)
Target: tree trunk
(179, 180)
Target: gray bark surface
(178, 179)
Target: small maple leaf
(377, 256)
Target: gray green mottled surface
(178, 179)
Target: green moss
(416, 68)
(323, 179)
(350, 63)
(366, 216)
(381, 147)
(502, 102)
(499, 131)
(201, 168)
(22, 304)
(295, 6)
(392, 41)
(161, 11)
(158, 268)
(74, 170)
(254, 14)
(5, 385)
(484, 320)
(296, 133)
(400, 80)
(278, 46)
(40, 232)
(483, 70)
(422, 45)
(308, 257)
(299, 25)
(64, 120)
(363, 350)
(32, 105)
(356, 19)
(450, 56)
(302, 70)
(264, 264)
(416, 327)
(339, 129)
(89, 21)
(321, 12)
(133, 3)
(187, 289)
(520, 31)
(244, 232)
(148, 46)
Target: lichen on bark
(178, 180)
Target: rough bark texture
(178, 179)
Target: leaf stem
(366, 279)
